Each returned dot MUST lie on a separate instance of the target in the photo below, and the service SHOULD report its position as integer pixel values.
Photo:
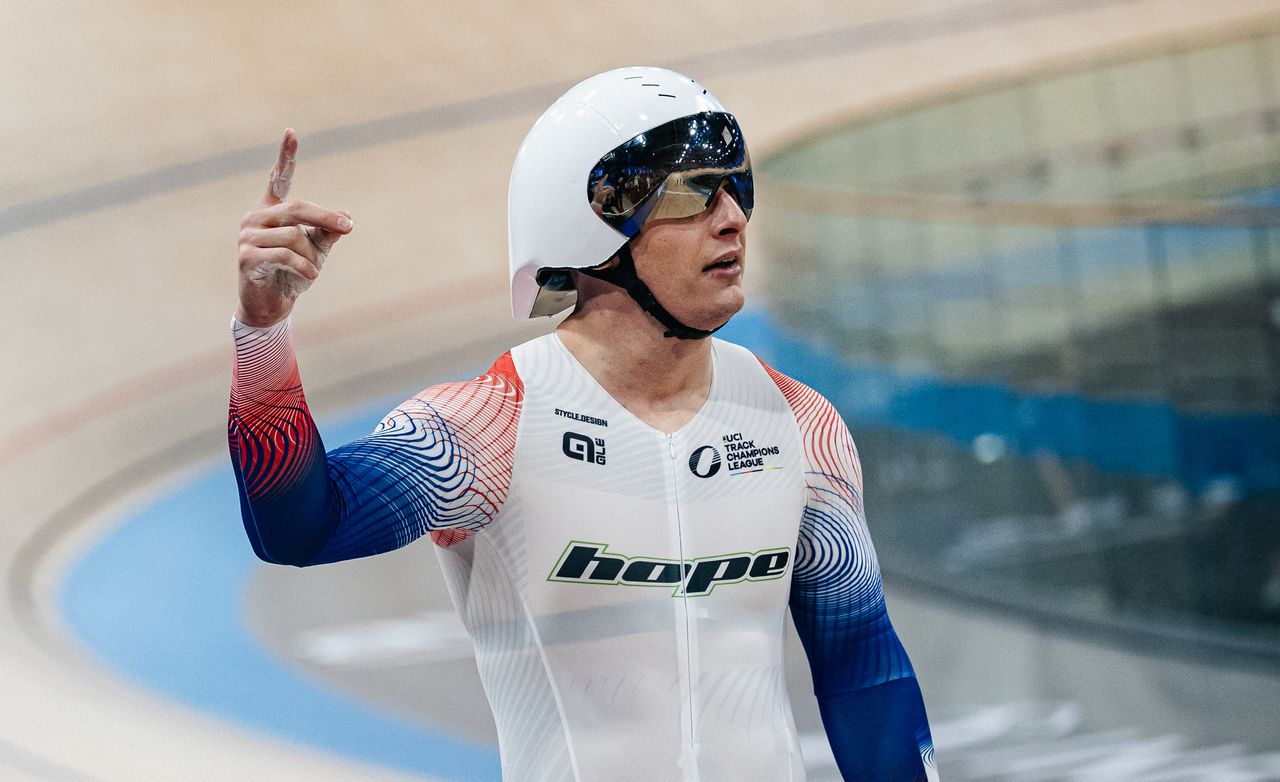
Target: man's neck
(663, 381)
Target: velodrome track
(136, 135)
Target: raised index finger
(282, 172)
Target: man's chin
(731, 306)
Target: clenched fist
(283, 244)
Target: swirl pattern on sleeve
(439, 463)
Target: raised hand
(283, 244)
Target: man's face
(694, 264)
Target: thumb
(324, 239)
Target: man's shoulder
(796, 392)
(742, 358)
(808, 406)
(461, 404)
(503, 367)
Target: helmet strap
(623, 274)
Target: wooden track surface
(135, 135)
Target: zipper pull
(671, 443)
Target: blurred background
(1030, 248)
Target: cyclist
(624, 508)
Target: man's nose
(727, 213)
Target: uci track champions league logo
(742, 457)
(705, 461)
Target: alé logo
(583, 448)
(592, 563)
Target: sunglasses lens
(744, 190)
(688, 194)
(673, 170)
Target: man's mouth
(726, 261)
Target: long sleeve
(439, 463)
(866, 688)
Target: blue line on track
(161, 598)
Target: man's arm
(867, 692)
(440, 462)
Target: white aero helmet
(613, 151)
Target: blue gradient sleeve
(867, 691)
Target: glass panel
(1057, 343)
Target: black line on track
(15, 756)
(176, 456)
(347, 392)
(69, 516)
(866, 36)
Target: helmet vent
(665, 95)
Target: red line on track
(144, 387)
